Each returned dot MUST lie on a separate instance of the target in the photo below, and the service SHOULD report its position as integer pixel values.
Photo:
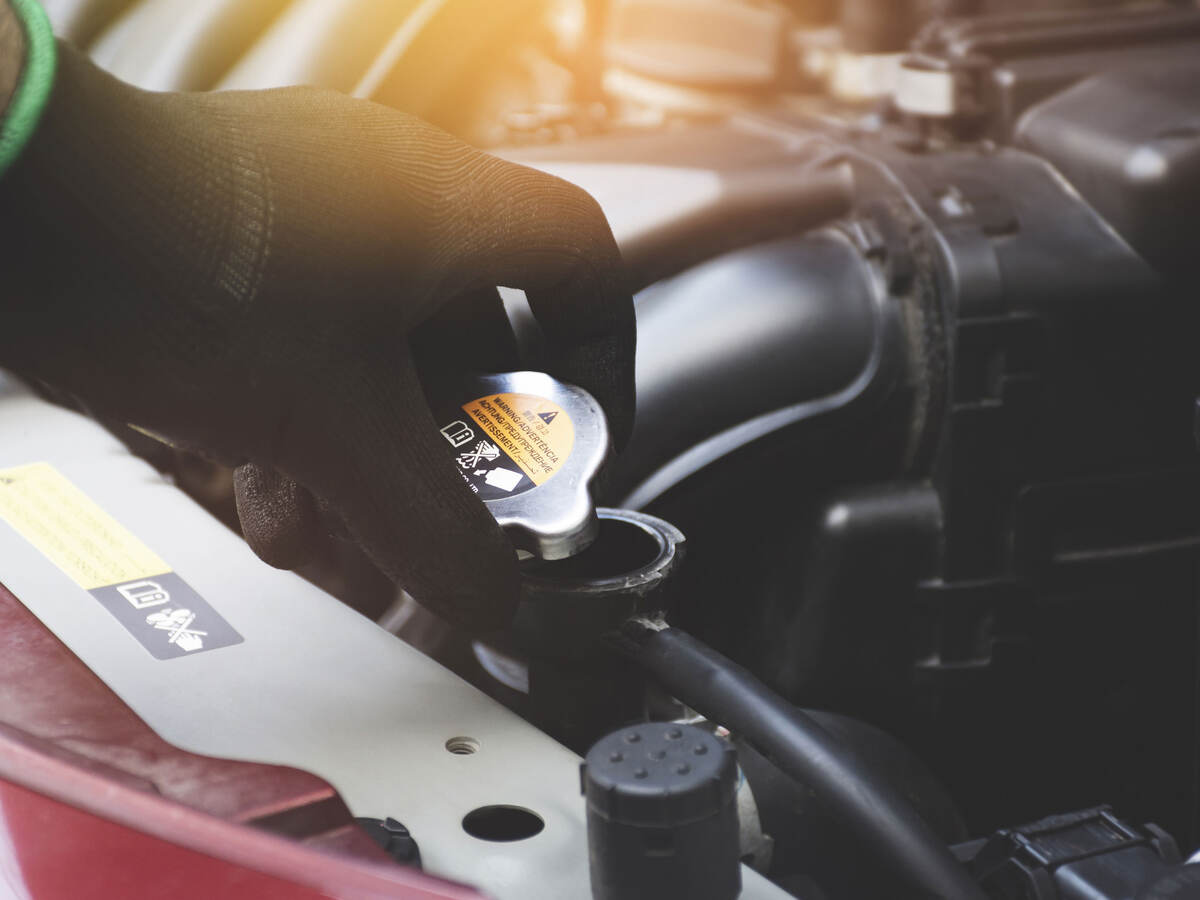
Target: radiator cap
(529, 446)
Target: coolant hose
(888, 826)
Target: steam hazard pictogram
(178, 625)
(483, 452)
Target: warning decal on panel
(99, 554)
(510, 443)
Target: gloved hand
(268, 277)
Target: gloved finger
(588, 316)
(600, 360)
(279, 517)
(369, 445)
(470, 332)
(550, 238)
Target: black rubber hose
(888, 826)
(751, 207)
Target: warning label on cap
(166, 615)
(510, 443)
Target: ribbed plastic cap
(659, 774)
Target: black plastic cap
(659, 775)
(393, 837)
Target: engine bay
(910, 517)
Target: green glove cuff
(25, 109)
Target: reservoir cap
(529, 446)
(662, 814)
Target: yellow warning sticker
(536, 433)
(62, 522)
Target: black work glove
(268, 276)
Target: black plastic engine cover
(936, 465)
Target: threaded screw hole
(462, 746)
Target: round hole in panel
(502, 823)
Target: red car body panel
(94, 804)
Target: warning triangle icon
(548, 417)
